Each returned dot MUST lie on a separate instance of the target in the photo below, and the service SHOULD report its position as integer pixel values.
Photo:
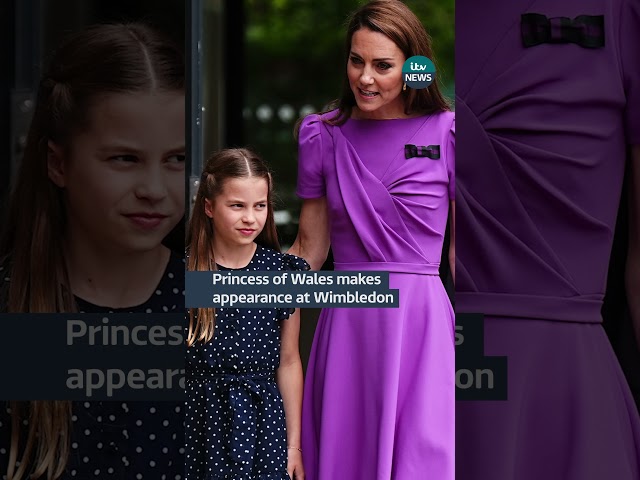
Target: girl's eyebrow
(117, 148)
(179, 149)
(237, 200)
(130, 148)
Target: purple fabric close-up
(379, 395)
(544, 131)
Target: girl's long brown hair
(222, 166)
(47, 442)
(99, 60)
(396, 21)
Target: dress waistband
(395, 267)
(244, 396)
(582, 309)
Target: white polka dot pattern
(235, 427)
(115, 440)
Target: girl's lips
(146, 221)
(246, 231)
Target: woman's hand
(295, 469)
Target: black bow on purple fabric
(584, 30)
(432, 151)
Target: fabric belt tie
(243, 394)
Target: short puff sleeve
(313, 146)
(291, 263)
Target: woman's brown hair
(396, 21)
(99, 60)
(221, 166)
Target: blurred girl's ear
(208, 208)
(55, 164)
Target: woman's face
(123, 176)
(374, 70)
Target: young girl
(100, 187)
(241, 361)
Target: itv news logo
(418, 72)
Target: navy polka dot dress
(120, 440)
(234, 419)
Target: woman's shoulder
(320, 117)
(314, 123)
(447, 115)
(438, 123)
(445, 118)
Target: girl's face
(239, 212)
(123, 175)
(374, 70)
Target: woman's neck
(114, 279)
(233, 256)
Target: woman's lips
(366, 94)
(247, 232)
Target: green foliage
(293, 39)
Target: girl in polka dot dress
(244, 375)
(99, 189)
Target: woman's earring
(404, 87)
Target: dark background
(268, 53)
(617, 321)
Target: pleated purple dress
(540, 172)
(379, 390)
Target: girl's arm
(452, 240)
(632, 270)
(290, 384)
(312, 242)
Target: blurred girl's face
(374, 70)
(123, 175)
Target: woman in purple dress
(548, 102)
(379, 392)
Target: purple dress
(540, 172)
(379, 390)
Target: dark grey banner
(477, 377)
(92, 356)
